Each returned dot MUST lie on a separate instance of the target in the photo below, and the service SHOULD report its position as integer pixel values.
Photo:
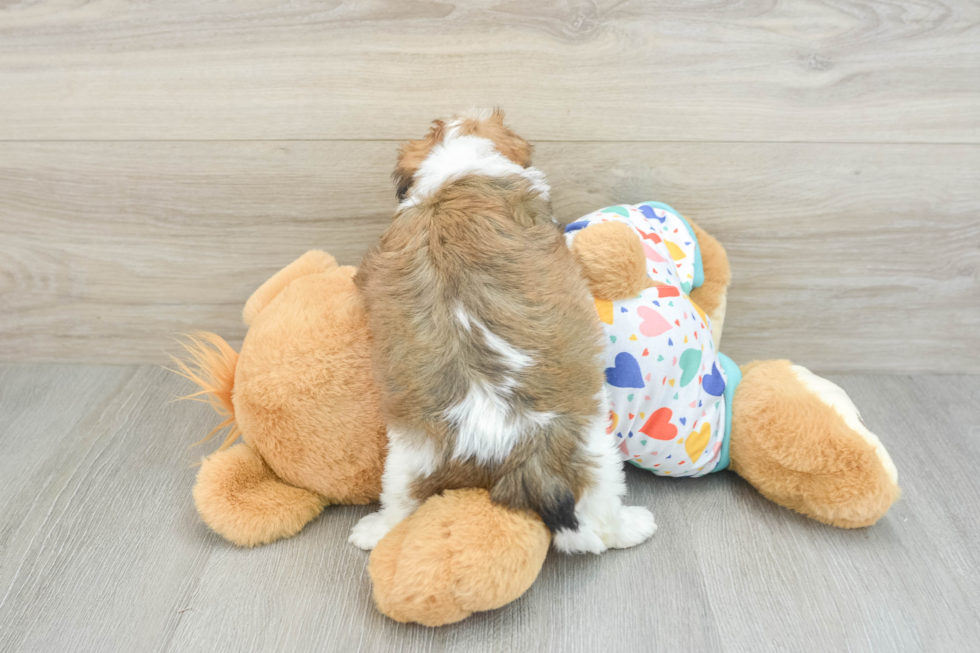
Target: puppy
(487, 345)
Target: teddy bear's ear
(313, 262)
(412, 154)
(612, 260)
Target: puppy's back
(487, 343)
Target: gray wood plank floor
(101, 549)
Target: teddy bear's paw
(459, 553)
(584, 540)
(368, 532)
(636, 525)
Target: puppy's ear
(412, 154)
(510, 144)
(402, 184)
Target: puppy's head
(488, 124)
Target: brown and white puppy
(487, 344)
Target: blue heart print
(626, 372)
(712, 383)
(575, 226)
(649, 214)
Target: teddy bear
(679, 406)
(300, 396)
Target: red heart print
(658, 426)
(649, 236)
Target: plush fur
(486, 347)
(239, 497)
(304, 397)
(301, 397)
(798, 451)
(313, 262)
(612, 261)
(212, 369)
(458, 554)
(795, 437)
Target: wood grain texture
(101, 550)
(867, 71)
(846, 257)
(90, 522)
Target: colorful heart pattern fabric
(663, 379)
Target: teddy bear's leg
(799, 440)
(712, 295)
(241, 499)
(612, 260)
(614, 263)
(459, 553)
(313, 262)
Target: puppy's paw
(584, 540)
(369, 531)
(636, 525)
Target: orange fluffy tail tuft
(212, 368)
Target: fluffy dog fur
(486, 345)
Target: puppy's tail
(533, 486)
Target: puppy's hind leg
(603, 521)
(406, 462)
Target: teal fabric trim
(698, 265)
(734, 377)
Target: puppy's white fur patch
(487, 426)
(458, 156)
(603, 521)
(834, 396)
(405, 463)
(511, 356)
(462, 317)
